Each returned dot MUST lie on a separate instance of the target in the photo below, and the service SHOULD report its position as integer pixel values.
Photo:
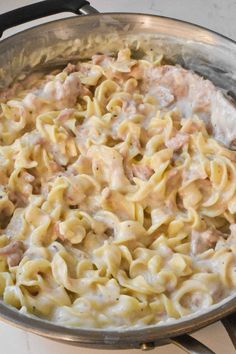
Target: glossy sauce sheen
(118, 194)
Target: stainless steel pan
(54, 44)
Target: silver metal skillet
(56, 43)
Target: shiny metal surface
(191, 345)
(195, 48)
(147, 346)
(191, 46)
(118, 339)
(88, 10)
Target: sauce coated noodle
(117, 204)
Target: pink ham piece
(193, 95)
(65, 93)
(65, 114)
(14, 252)
(178, 141)
(56, 230)
(98, 58)
(60, 94)
(202, 241)
(143, 172)
(70, 68)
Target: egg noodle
(117, 205)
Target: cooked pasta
(117, 200)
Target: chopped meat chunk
(193, 301)
(27, 177)
(14, 252)
(32, 138)
(130, 107)
(202, 241)
(56, 230)
(65, 114)
(164, 96)
(99, 58)
(178, 141)
(65, 93)
(27, 188)
(192, 94)
(191, 126)
(10, 92)
(70, 68)
(231, 240)
(143, 172)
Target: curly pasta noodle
(117, 203)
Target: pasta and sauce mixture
(117, 202)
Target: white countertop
(218, 15)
